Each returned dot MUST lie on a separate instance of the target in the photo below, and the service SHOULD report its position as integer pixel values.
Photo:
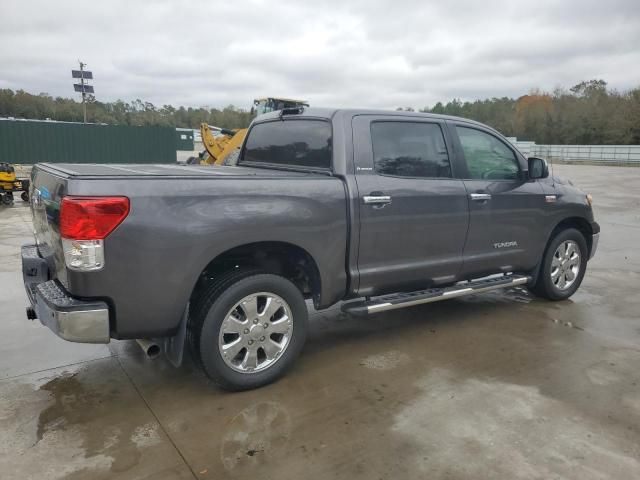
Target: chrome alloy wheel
(565, 265)
(255, 332)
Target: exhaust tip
(31, 313)
(150, 348)
(153, 351)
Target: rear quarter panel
(177, 226)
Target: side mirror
(538, 168)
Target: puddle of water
(77, 424)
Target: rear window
(299, 143)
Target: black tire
(25, 196)
(544, 286)
(7, 198)
(210, 310)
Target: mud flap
(174, 346)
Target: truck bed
(103, 171)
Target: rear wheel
(7, 198)
(563, 266)
(248, 328)
(24, 196)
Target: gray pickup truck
(378, 210)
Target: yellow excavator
(222, 145)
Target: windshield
(267, 105)
(261, 107)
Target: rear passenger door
(504, 206)
(413, 212)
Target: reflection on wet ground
(500, 385)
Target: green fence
(28, 142)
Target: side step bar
(402, 300)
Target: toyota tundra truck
(378, 210)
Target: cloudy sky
(373, 53)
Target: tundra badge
(505, 244)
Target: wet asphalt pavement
(499, 385)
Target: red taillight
(91, 218)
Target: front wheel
(248, 329)
(563, 266)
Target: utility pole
(83, 87)
(84, 95)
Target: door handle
(480, 197)
(376, 199)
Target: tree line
(587, 113)
(21, 104)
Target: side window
(486, 156)
(299, 143)
(409, 149)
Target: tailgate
(47, 190)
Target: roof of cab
(329, 113)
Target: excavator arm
(223, 147)
(220, 147)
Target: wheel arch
(579, 223)
(277, 257)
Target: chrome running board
(402, 300)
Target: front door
(504, 206)
(413, 212)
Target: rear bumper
(84, 321)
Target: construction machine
(9, 184)
(222, 145)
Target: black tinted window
(486, 156)
(303, 143)
(409, 149)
